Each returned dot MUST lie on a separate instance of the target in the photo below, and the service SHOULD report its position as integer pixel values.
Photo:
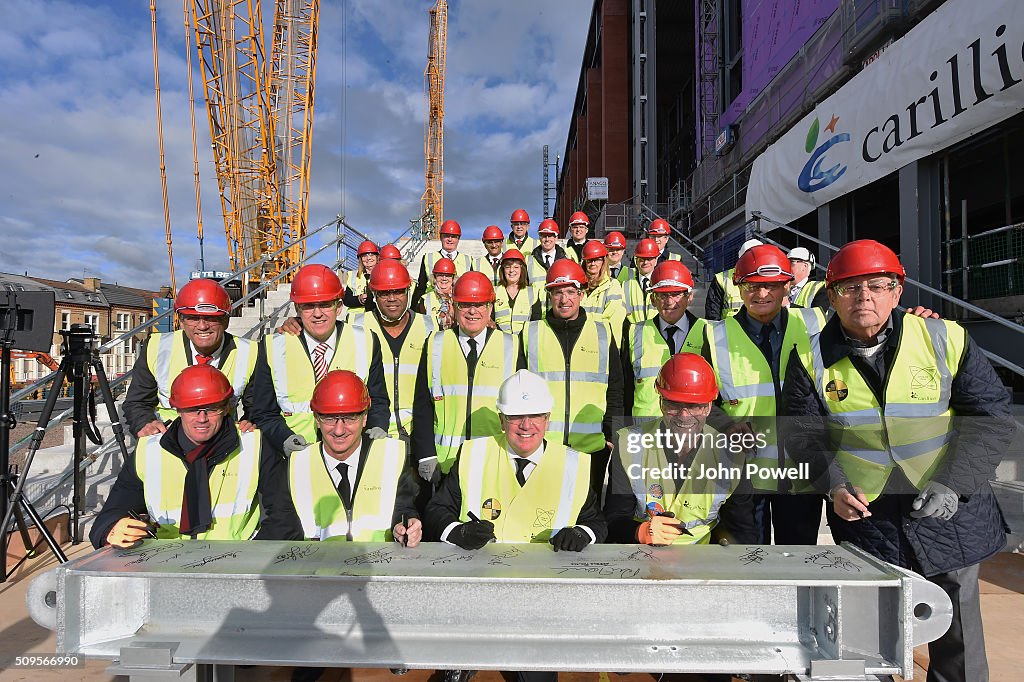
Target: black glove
(570, 539)
(472, 534)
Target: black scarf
(196, 506)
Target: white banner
(957, 72)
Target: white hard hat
(524, 393)
(749, 244)
(801, 253)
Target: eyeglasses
(522, 418)
(672, 409)
(756, 286)
(390, 293)
(875, 286)
(331, 420)
(566, 292)
(318, 305)
(472, 305)
(219, 318)
(204, 411)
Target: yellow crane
(261, 121)
(433, 142)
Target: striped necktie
(320, 361)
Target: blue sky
(78, 146)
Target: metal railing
(990, 264)
(953, 300)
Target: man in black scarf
(201, 463)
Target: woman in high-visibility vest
(514, 297)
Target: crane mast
(433, 82)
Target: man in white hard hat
(517, 487)
(724, 298)
(805, 292)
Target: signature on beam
(379, 556)
(448, 558)
(599, 568)
(145, 553)
(827, 559)
(502, 558)
(753, 555)
(295, 553)
(210, 559)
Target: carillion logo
(812, 177)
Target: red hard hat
(513, 254)
(203, 297)
(198, 386)
(594, 249)
(316, 284)
(687, 378)
(565, 271)
(764, 263)
(659, 227)
(451, 227)
(519, 216)
(579, 217)
(863, 257)
(615, 240)
(493, 232)
(390, 251)
(548, 226)
(390, 275)
(340, 392)
(671, 276)
(444, 266)
(367, 247)
(647, 248)
(473, 287)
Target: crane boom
(433, 82)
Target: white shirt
(216, 358)
(353, 467)
(450, 254)
(464, 341)
(684, 327)
(312, 343)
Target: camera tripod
(80, 360)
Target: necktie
(645, 283)
(203, 359)
(547, 261)
(320, 361)
(670, 336)
(473, 355)
(344, 490)
(521, 463)
(765, 343)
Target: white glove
(294, 443)
(427, 468)
(376, 433)
(936, 500)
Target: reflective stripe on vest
(732, 300)
(511, 320)
(810, 289)
(400, 373)
(579, 408)
(450, 389)
(914, 428)
(319, 506)
(463, 264)
(233, 482)
(605, 304)
(551, 500)
(638, 302)
(698, 500)
(170, 357)
(649, 352)
(291, 369)
(483, 264)
(746, 384)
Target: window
(93, 321)
(65, 321)
(732, 51)
(124, 322)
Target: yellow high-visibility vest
(551, 500)
(697, 501)
(464, 410)
(233, 484)
(732, 300)
(605, 304)
(400, 370)
(579, 390)
(914, 427)
(637, 302)
(805, 298)
(319, 506)
(512, 318)
(483, 264)
(648, 351)
(294, 379)
(166, 356)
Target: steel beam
(700, 609)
